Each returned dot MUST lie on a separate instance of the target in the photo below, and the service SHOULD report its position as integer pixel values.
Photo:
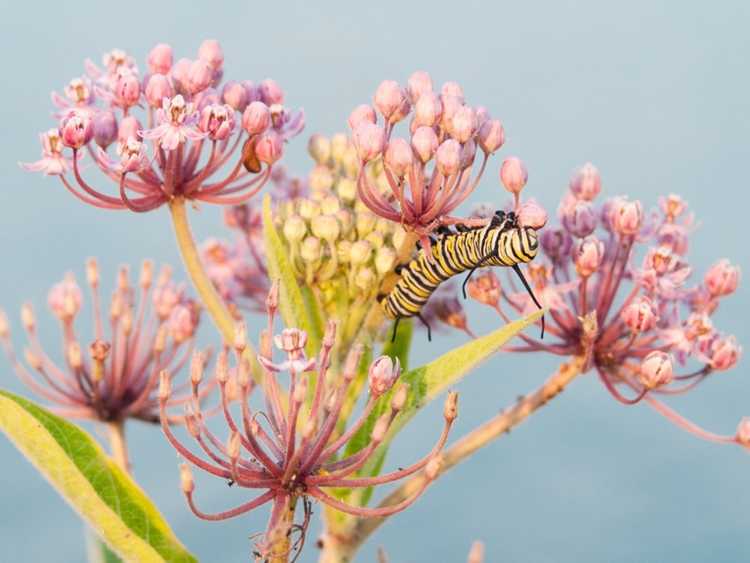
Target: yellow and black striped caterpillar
(501, 243)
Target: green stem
(118, 445)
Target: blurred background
(653, 93)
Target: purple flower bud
(271, 93)
(253, 91)
(160, 59)
(256, 118)
(579, 219)
(208, 97)
(129, 127)
(452, 89)
(589, 254)
(234, 95)
(270, 147)
(76, 129)
(468, 153)
(158, 87)
(210, 51)
(383, 374)
(369, 140)
(388, 98)
(463, 124)
(361, 114)
(399, 157)
(656, 370)
(428, 109)
(448, 157)
(418, 85)
(424, 141)
(586, 183)
(491, 135)
(556, 244)
(105, 128)
(513, 175)
(199, 76)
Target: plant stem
(341, 547)
(117, 444)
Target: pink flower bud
(65, 299)
(586, 183)
(183, 321)
(626, 217)
(673, 206)
(210, 51)
(399, 157)
(180, 75)
(361, 114)
(483, 115)
(369, 140)
(158, 87)
(76, 129)
(656, 370)
(468, 153)
(513, 175)
(491, 136)
(579, 219)
(418, 85)
(640, 315)
(556, 244)
(160, 59)
(724, 353)
(722, 278)
(129, 127)
(383, 374)
(291, 340)
(271, 93)
(451, 105)
(256, 118)
(388, 98)
(218, 121)
(253, 91)
(127, 90)
(588, 256)
(132, 155)
(402, 111)
(269, 148)
(105, 128)
(424, 141)
(234, 95)
(452, 89)
(448, 157)
(199, 76)
(743, 432)
(463, 124)
(532, 215)
(428, 110)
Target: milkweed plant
(310, 303)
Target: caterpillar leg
(518, 271)
(466, 280)
(395, 328)
(427, 325)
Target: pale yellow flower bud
(295, 228)
(385, 259)
(310, 251)
(361, 252)
(365, 223)
(308, 208)
(365, 279)
(347, 189)
(325, 227)
(320, 178)
(319, 148)
(330, 205)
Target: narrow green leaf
(297, 303)
(99, 491)
(429, 381)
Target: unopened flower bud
(450, 409)
(269, 147)
(369, 140)
(380, 428)
(92, 272)
(383, 374)
(656, 370)
(325, 227)
(586, 183)
(626, 217)
(399, 157)
(28, 319)
(532, 215)
(129, 128)
(221, 370)
(418, 85)
(361, 252)
(743, 432)
(234, 95)
(310, 251)
(491, 136)
(388, 98)
(105, 128)
(365, 279)
(199, 76)
(271, 93)
(295, 228)
(424, 141)
(672, 206)
(256, 118)
(448, 157)
(724, 353)
(165, 385)
(463, 124)
(272, 299)
(197, 365)
(240, 337)
(385, 259)
(76, 129)
(361, 114)
(452, 89)
(588, 256)
(211, 52)
(513, 175)
(398, 401)
(319, 148)
(428, 110)
(331, 205)
(579, 219)
(722, 278)
(159, 59)
(640, 315)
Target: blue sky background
(655, 93)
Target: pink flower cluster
(429, 173)
(197, 126)
(116, 377)
(616, 282)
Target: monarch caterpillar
(503, 242)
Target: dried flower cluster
(197, 125)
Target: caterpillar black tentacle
(501, 243)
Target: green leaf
(297, 303)
(99, 491)
(98, 551)
(429, 381)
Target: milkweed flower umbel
(616, 282)
(195, 128)
(290, 449)
(433, 171)
(113, 376)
